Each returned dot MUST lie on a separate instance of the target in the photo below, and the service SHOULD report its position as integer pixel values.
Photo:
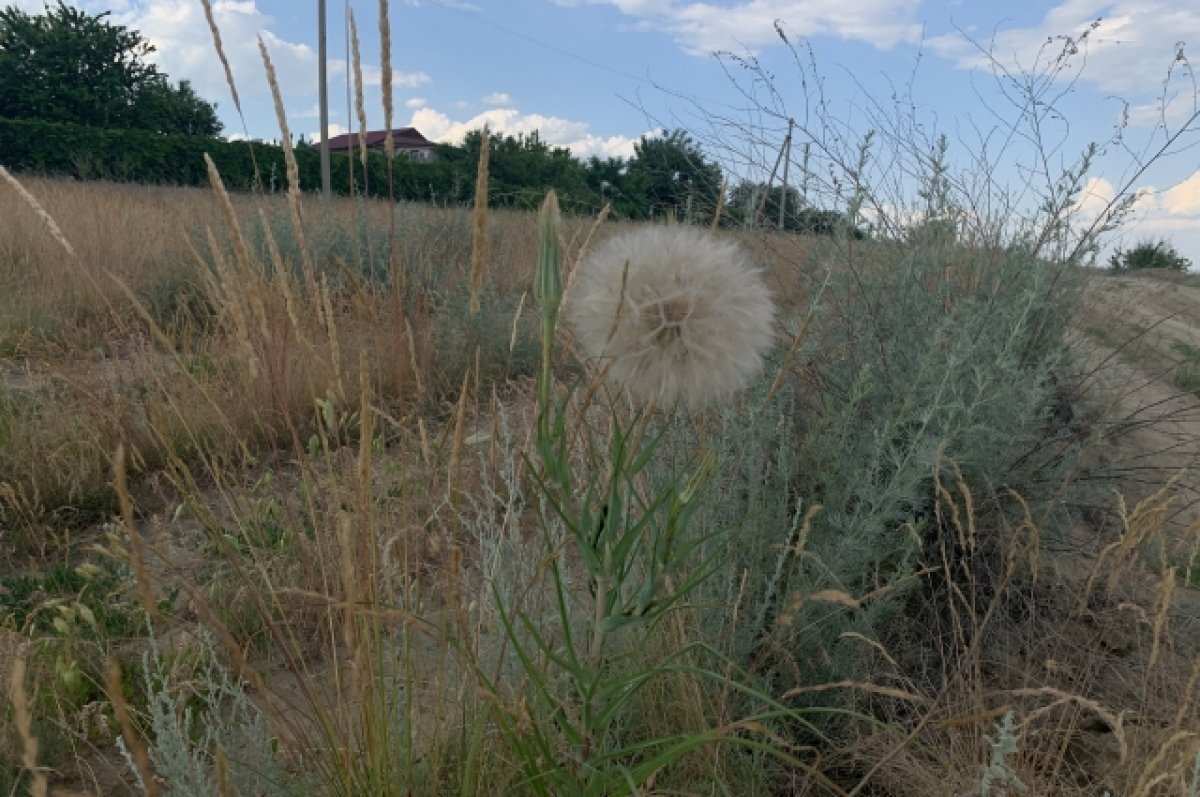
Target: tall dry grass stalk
(24, 723)
(1142, 523)
(785, 366)
(454, 482)
(359, 103)
(133, 742)
(385, 67)
(479, 217)
(216, 34)
(137, 548)
(46, 218)
(396, 266)
(716, 222)
(289, 157)
(231, 219)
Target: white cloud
(1097, 193)
(1183, 199)
(1097, 197)
(373, 75)
(335, 129)
(415, 102)
(497, 98)
(1168, 207)
(184, 49)
(1172, 213)
(553, 130)
(1130, 50)
(701, 28)
(179, 32)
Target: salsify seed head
(674, 313)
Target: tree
(1149, 254)
(65, 65)
(747, 196)
(673, 176)
(164, 108)
(521, 168)
(607, 184)
(798, 216)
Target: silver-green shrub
(197, 707)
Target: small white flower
(674, 313)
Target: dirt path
(1141, 337)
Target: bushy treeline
(60, 149)
(68, 65)
(667, 176)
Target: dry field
(276, 518)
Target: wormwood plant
(998, 777)
(208, 738)
(587, 665)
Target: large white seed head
(675, 314)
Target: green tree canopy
(673, 176)
(748, 197)
(522, 167)
(65, 65)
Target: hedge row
(59, 149)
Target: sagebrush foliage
(197, 711)
(919, 364)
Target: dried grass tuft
(24, 721)
(141, 759)
(289, 157)
(46, 218)
(216, 34)
(385, 66)
(479, 218)
(359, 104)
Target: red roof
(402, 138)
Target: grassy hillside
(358, 498)
(278, 517)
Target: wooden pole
(787, 160)
(762, 202)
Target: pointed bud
(547, 282)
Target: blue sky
(595, 75)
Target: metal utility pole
(324, 92)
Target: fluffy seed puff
(674, 313)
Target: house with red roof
(406, 140)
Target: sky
(596, 75)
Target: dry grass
(53, 303)
(1097, 708)
(162, 336)
(328, 476)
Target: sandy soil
(1136, 335)
(1141, 335)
